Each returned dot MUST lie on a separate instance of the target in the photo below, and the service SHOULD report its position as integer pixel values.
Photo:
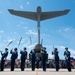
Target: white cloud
(21, 6)
(63, 49)
(30, 47)
(9, 40)
(66, 29)
(25, 27)
(72, 51)
(31, 32)
(15, 32)
(45, 35)
(68, 33)
(51, 56)
(23, 23)
(27, 3)
(23, 41)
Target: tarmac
(28, 71)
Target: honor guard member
(67, 58)
(33, 58)
(23, 58)
(56, 58)
(3, 58)
(13, 58)
(44, 58)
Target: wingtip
(10, 10)
(67, 10)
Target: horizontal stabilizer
(49, 15)
(25, 14)
(34, 15)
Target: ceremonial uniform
(44, 58)
(33, 58)
(56, 58)
(67, 58)
(23, 58)
(13, 58)
(4, 56)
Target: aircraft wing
(48, 15)
(25, 14)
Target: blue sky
(58, 32)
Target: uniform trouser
(37, 64)
(12, 64)
(57, 65)
(2, 64)
(33, 65)
(68, 65)
(44, 65)
(22, 65)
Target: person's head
(24, 48)
(66, 48)
(44, 48)
(55, 49)
(15, 49)
(6, 49)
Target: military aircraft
(38, 16)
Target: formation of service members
(44, 58)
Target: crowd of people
(35, 61)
